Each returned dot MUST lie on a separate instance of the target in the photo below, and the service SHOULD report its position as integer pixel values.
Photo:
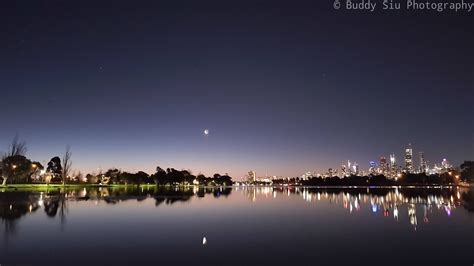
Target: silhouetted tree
(467, 171)
(202, 179)
(174, 176)
(142, 177)
(159, 177)
(14, 162)
(16, 168)
(80, 177)
(16, 147)
(93, 179)
(67, 163)
(114, 175)
(54, 168)
(226, 180)
(188, 177)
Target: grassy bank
(44, 187)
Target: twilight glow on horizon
(216, 88)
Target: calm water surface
(238, 226)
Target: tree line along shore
(18, 171)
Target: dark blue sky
(283, 86)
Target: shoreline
(58, 186)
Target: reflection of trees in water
(54, 203)
(170, 196)
(15, 204)
(166, 195)
(51, 208)
(468, 200)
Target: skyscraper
(423, 166)
(252, 176)
(393, 166)
(383, 165)
(409, 159)
(372, 168)
(355, 168)
(392, 160)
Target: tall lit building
(355, 168)
(372, 168)
(409, 159)
(383, 166)
(392, 161)
(423, 166)
(252, 176)
(393, 166)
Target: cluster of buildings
(251, 177)
(390, 167)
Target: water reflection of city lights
(448, 210)
(374, 208)
(389, 202)
(412, 215)
(425, 214)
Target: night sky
(284, 87)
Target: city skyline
(400, 165)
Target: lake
(238, 226)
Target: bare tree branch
(67, 163)
(16, 147)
